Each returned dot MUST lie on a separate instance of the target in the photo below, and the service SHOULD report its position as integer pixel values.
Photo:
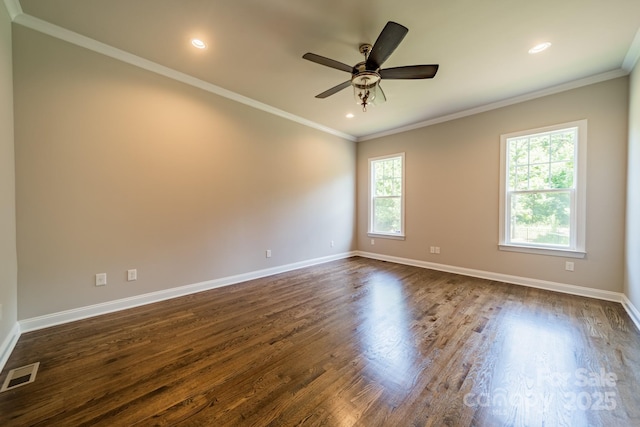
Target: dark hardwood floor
(352, 342)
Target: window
(542, 183)
(386, 196)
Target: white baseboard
(516, 280)
(9, 344)
(633, 312)
(48, 320)
(564, 288)
(53, 319)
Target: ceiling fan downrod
(365, 49)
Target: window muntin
(542, 197)
(386, 206)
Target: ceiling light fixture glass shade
(365, 88)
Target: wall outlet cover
(101, 279)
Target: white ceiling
(255, 49)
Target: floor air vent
(20, 376)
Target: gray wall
(452, 188)
(8, 264)
(119, 168)
(632, 259)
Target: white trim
(121, 55)
(516, 280)
(53, 319)
(542, 251)
(371, 232)
(17, 15)
(609, 75)
(13, 8)
(386, 236)
(633, 312)
(576, 247)
(633, 54)
(9, 344)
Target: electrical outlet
(373, 242)
(132, 275)
(569, 266)
(437, 249)
(268, 253)
(432, 249)
(101, 279)
(331, 243)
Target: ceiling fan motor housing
(365, 79)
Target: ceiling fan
(366, 75)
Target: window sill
(566, 253)
(386, 236)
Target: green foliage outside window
(541, 172)
(387, 197)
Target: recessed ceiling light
(349, 116)
(198, 43)
(539, 48)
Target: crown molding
(18, 16)
(13, 8)
(504, 103)
(68, 36)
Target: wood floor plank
(355, 342)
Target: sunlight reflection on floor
(385, 333)
(534, 373)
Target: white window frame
(576, 247)
(371, 232)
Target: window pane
(396, 186)
(541, 204)
(539, 149)
(386, 169)
(386, 212)
(521, 177)
(386, 215)
(541, 218)
(390, 168)
(562, 175)
(378, 170)
(388, 177)
(539, 177)
(519, 151)
(562, 145)
(397, 168)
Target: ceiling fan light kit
(364, 88)
(366, 75)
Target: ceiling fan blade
(334, 89)
(388, 40)
(327, 62)
(410, 72)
